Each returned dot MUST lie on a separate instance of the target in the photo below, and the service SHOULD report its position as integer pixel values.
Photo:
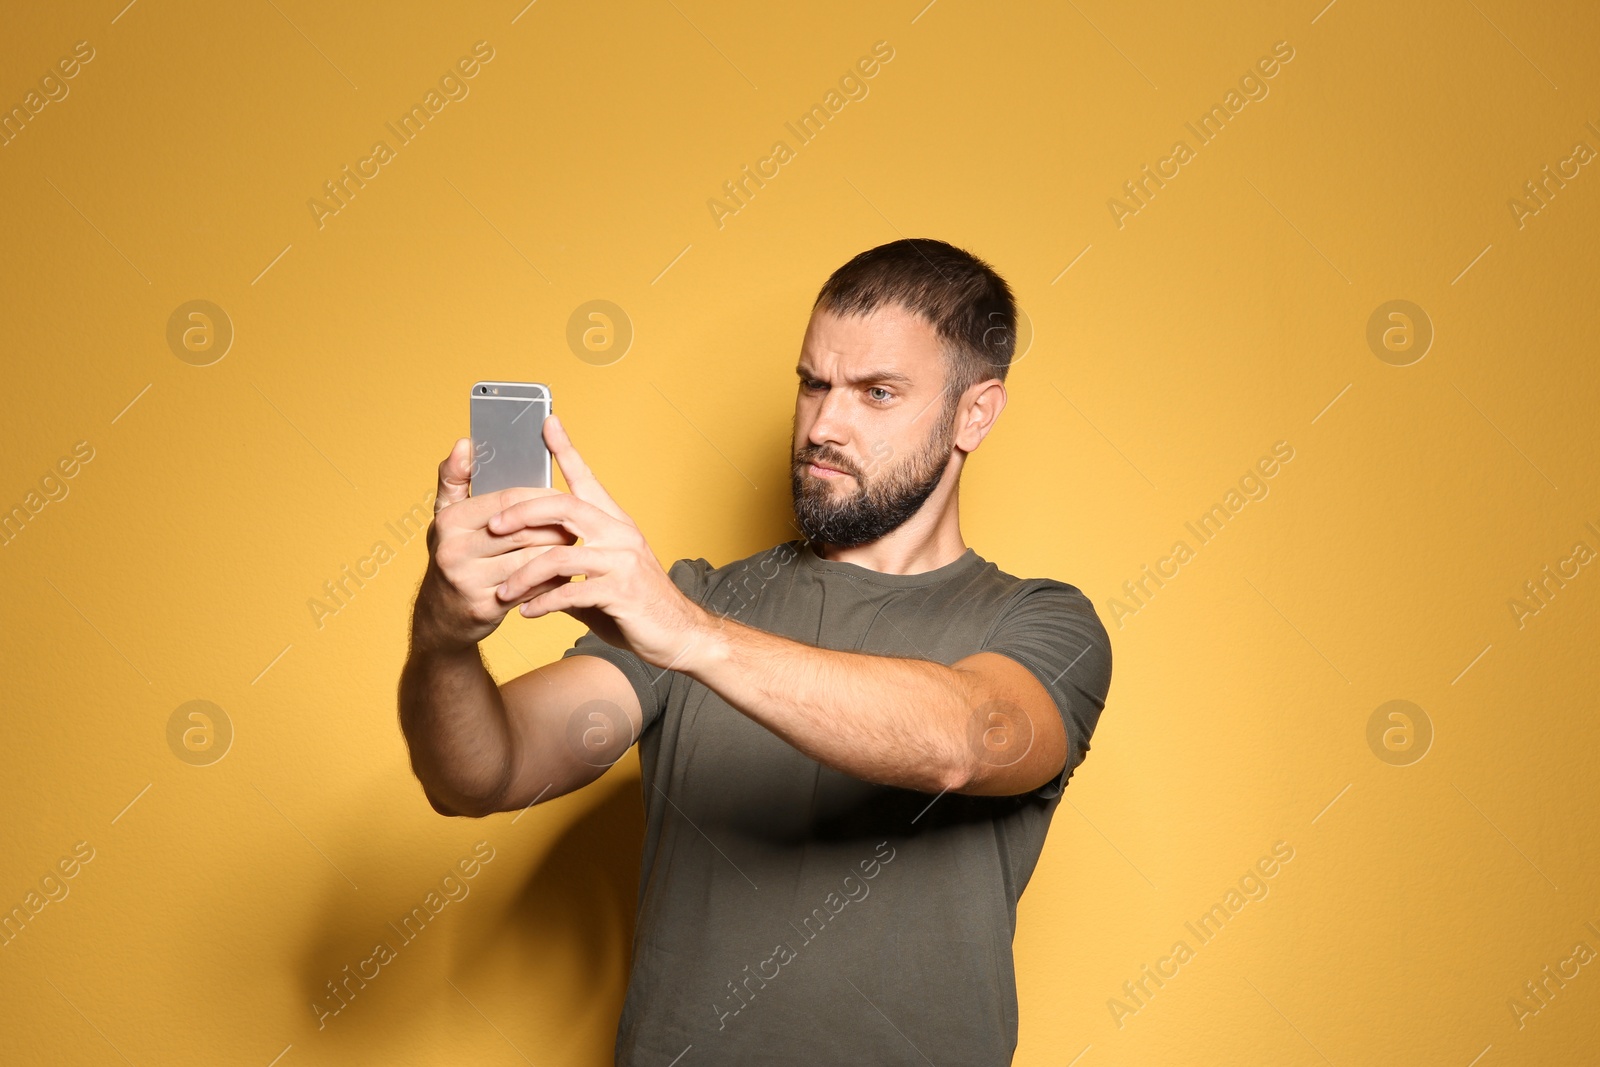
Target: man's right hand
(456, 605)
(478, 747)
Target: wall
(226, 468)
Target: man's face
(874, 406)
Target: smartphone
(508, 446)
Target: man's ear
(977, 413)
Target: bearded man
(851, 744)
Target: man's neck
(911, 549)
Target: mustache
(827, 460)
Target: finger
(588, 594)
(568, 561)
(532, 591)
(474, 513)
(580, 479)
(584, 519)
(488, 545)
(455, 476)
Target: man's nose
(829, 426)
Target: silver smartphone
(508, 446)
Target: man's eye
(880, 389)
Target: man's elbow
(958, 774)
(454, 798)
(460, 810)
(463, 809)
(439, 805)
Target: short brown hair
(969, 305)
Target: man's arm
(478, 747)
(983, 726)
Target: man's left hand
(625, 598)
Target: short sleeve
(650, 684)
(1051, 629)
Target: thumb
(455, 476)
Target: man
(851, 744)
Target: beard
(834, 515)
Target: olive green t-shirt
(792, 914)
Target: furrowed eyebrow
(869, 378)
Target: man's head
(901, 374)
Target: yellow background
(1228, 314)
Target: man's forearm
(882, 719)
(455, 725)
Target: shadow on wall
(549, 957)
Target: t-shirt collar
(810, 561)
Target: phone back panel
(508, 446)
